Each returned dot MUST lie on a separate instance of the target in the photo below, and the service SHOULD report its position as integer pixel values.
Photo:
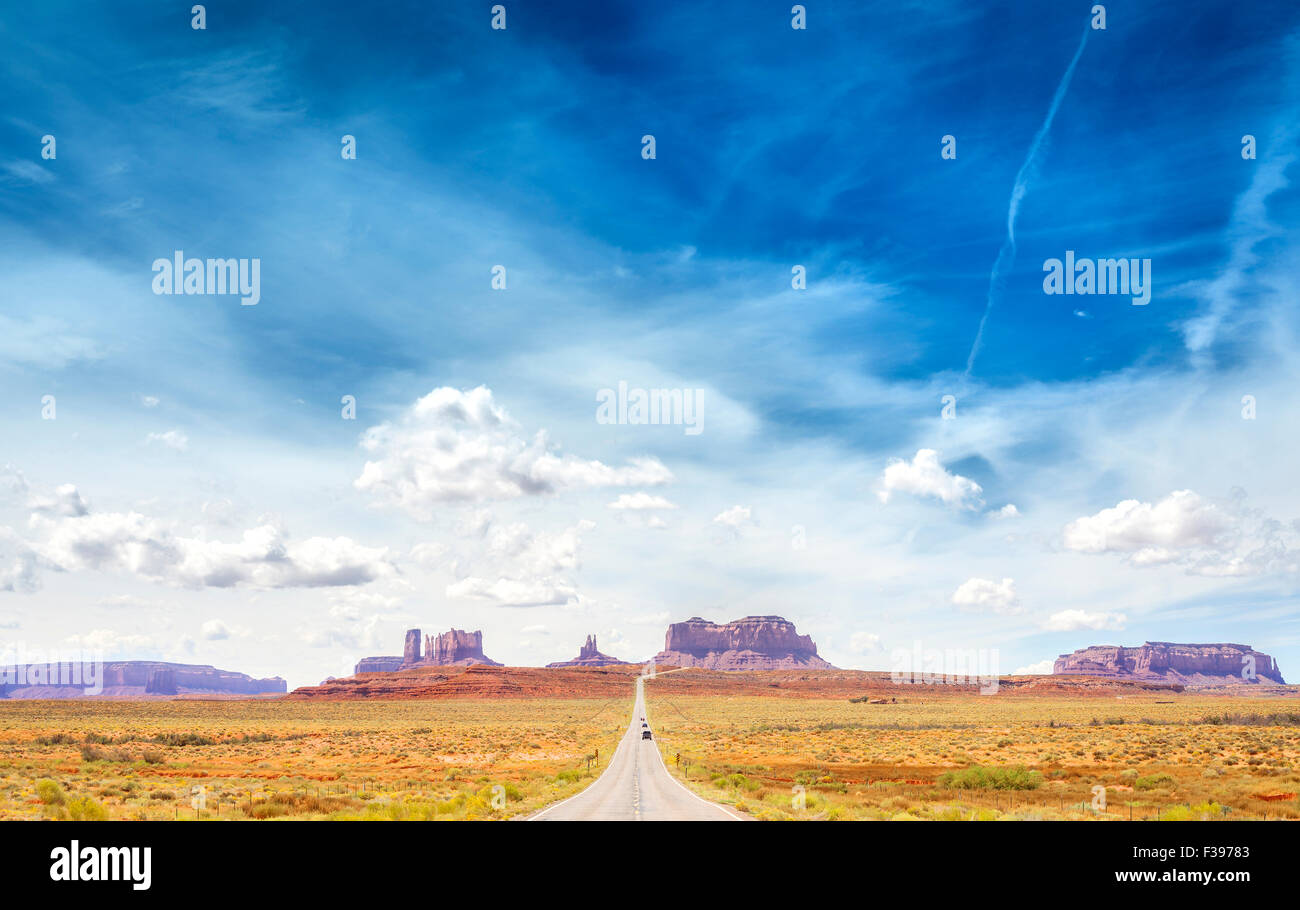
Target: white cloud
(517, 567)
(133, 543)
(538, 553)
(864, 642)
(1041, 668)
(1185, 529)
(430, 554)
(1076, 620)
(640, 501)
(149, 401)
(172, 439)
(215, 630)
(986, 594)
(356, 633)
(454, 446)
(924, 476)
(112, 644)
(21, 575)
(65, 501)
(735, 518)
(514, 592)
(1007, 511)
(1149, 533)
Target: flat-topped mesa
(129, 679)
(589, 656)
(751, 643)
(381, 664)
(455, 647)
(1189, 664)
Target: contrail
(1007, 254)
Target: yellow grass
(300, 759)
(885, 761)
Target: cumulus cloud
(65, 501)
(986, 594)
(131, 543)
(20, 575)
(1007, 511)
(537, 553)
(111, 643)
(215, 630)
(1041, 668)
(172, 439)
(1076, 620)
(515, 592)
(453, 446)
(18, 564)
(924, 476)
(864, 642)
(735, 518)
(522, 568)
(430, 554)
(364, 633)
(1149, 533)
(1184, 529)
(640, 501)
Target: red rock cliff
(752, 643)
(451, 648)
(589, 656)
(1194, 665)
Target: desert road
(636, 786)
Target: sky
(804, 258)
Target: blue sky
(218, 426)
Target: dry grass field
(299, 759)
(777, 745)
(935, 753)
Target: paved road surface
(636, 786)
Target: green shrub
(183, 739)
(977, 777)
(50, 792)
(56, 740)
(85, 809)
(1154, 781)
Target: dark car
(645, 734)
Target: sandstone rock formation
(378, 664)
(128, 679)
(455, 647)
(589, 656)
(752, 643)
(1189, 665)
(480, 681)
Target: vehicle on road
(645, 734)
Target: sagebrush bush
(50, 792)
(978, 777)
(85, 809)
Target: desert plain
(502, 743)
